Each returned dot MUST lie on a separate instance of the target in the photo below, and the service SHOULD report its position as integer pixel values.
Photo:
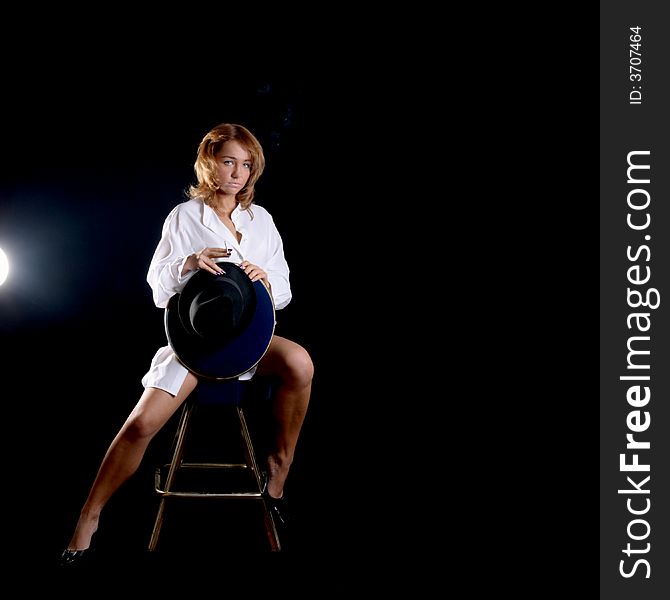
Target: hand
(204, 260)
(255, 272)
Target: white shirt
(190, 227)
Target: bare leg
(292, 365)
(125, 453)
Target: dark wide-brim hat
(220, 326)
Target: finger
(210, 266)
(217, 269)
(213, 252)
(256, 274)
(209, 269)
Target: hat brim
(236, 356)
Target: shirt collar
(213, 223)
(209, 218)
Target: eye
(227, 162)
(247, 165)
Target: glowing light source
(4, 267)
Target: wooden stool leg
(270, 526)
(180, 436)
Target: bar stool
(232, 394)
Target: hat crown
(220, 326)
(221, 308)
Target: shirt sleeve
(164, 274)
(277, 268)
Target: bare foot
(86, 527)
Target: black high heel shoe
(277, 505)
(74, 557)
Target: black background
(432, 230)
(98, 144)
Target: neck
(224, 204)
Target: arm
(166, 274)
(277, 268)
(176, 258)
(275, 271)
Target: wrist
(190, 264)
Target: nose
(235, 173)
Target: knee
(300, 367)
(140, 427)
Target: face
(233, 167)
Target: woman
(218, 222)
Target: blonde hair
(205, 163)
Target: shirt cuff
(181, 279)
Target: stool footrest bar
(230, 496)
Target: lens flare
(4, 267)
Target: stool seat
(231, 394)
